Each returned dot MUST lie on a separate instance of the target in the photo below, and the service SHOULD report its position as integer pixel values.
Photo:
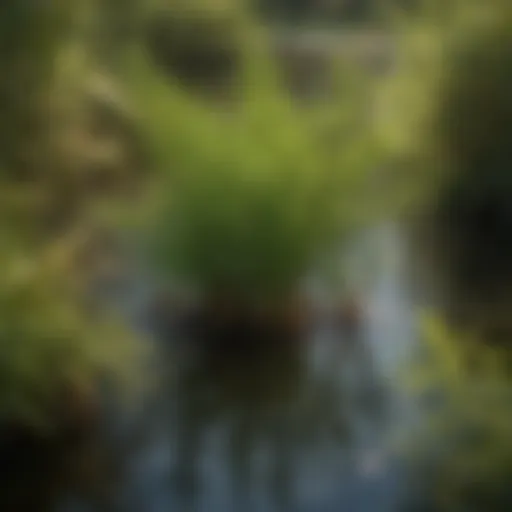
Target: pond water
(304, 427)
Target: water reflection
(291, 427)
(252, 428)
(297, 426)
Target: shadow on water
(284, 426)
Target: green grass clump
(255, 193)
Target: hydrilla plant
(254, 194)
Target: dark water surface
(299, 427)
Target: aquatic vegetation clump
(256, 192)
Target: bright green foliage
(257, 192)
(407, 107)
(48, 340)
(461, 447)
(447, 120)
(446, 110)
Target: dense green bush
(255, 194)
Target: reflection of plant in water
(462, 448)
(271, 403)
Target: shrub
(256, 194)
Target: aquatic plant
(256, 192)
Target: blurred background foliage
(56, 168)
(105, 100)
(446, 117)
(460, 446)
(348, 12)
(446, 120)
